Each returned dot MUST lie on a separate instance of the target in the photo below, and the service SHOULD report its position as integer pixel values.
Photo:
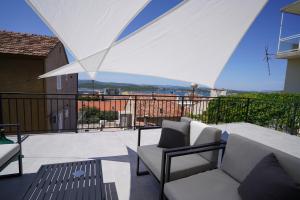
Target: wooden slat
(87, 181)
(70, 182)
(50, 184)
(66, 182)
(61, 180)
(41, 183)
(35, 183)
(80, 181)
(98, 178)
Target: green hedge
(93, 115)
(276, 110)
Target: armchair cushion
(181, 166)
(268, 181)
(210, 185)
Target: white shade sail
(192, 42)
(87, 27)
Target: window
(58, 82)
(66, 112)
(161, 111)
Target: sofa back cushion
(243, 154)
(186, 119)
(196, 129)
(209, 135)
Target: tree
(93, 115)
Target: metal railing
(72, 112)
(289, 44)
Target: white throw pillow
(196, 128)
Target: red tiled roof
(113, 105)
(26, 44)
(160, 106)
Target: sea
(178, 92)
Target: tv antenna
(267, 58)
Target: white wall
(292, 78)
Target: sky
(246, 69)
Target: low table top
(74, 180)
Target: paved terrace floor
(116, 149)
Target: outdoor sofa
(11, 152)
(154, 157)
(241, 157)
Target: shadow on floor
(141, 187)
(14, 188)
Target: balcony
(289, 47)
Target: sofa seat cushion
(182, 166)
(210, 185)
(7, 151)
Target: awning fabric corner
(192, 42)
(293, 8)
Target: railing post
(293, 122)
(1, 114)
(247, 109)
(218, 110)
(76, 113)
(134, 117)
(182, 106)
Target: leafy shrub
(93, 115)
(276, 110)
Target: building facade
(23, 57)
(289, 49)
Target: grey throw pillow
(174, 134)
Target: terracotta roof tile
(113, 105)
(26, 44)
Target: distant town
(111, 88)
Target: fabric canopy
(192, 42)
(293, 8)
(87, 27)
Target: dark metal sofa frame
(168, 154)
(18, 156)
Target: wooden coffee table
(74, 180)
